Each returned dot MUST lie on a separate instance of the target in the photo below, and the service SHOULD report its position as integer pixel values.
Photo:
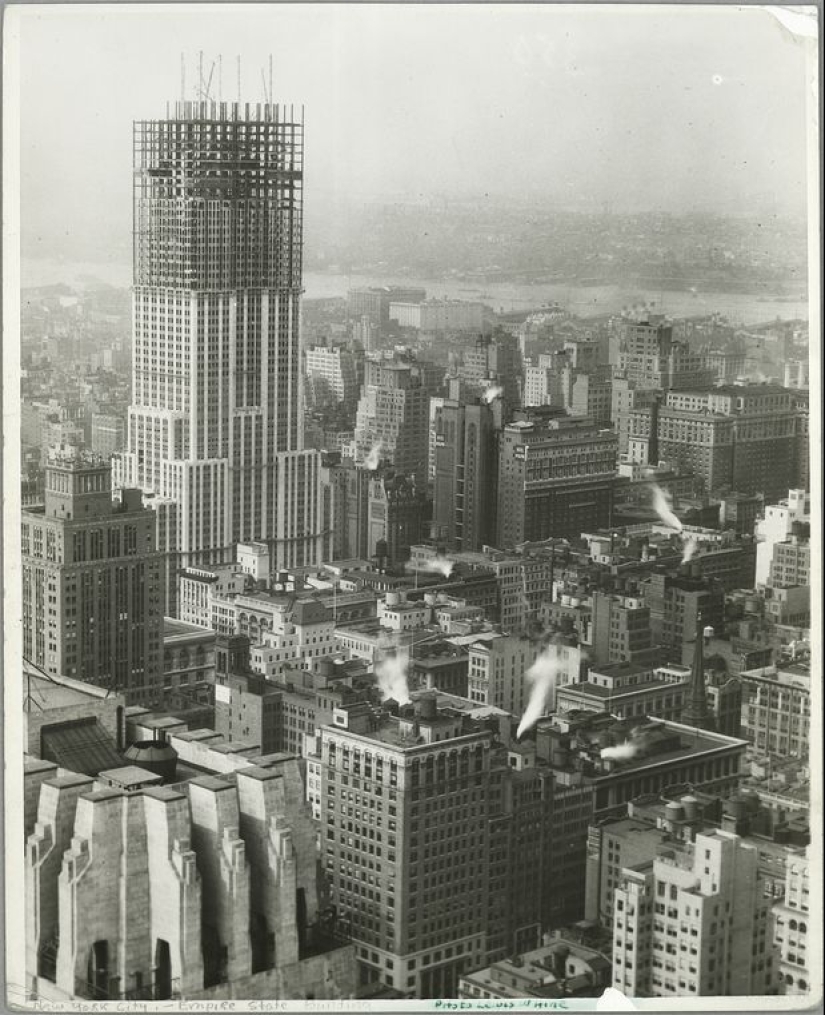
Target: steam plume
(691, 546)
(661, 505)
(438, 565)
(391, 671)
(622, 752)
(492, 393)
(542, 675)
(373, 459)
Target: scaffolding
(218, 197)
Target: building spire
(696, 711)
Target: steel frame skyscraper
(215, 425)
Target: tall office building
(215, 422)
(464, 503)
(92, 583)
(555, 478)
(621, 629)
(393, 416)
(736, 438)
(649, 357)
(681, 605)
(445, 849)
(496, 360)
(395, 516)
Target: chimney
(428, 707)
(560, 953)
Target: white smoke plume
(621, 752)
(661, 505)
(391, 671)
(542, 675)
(691, 546)
(373, 459)
(438, 565)
(492, 393)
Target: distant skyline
(685, 109)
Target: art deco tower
(215, 422)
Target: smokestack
(560, 954)
(428, 707)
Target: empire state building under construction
(215, 429)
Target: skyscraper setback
(215, 422)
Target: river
(584, 301)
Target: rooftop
(599, 691)
(179, 631)
(43, 693)
(654, 659)
(129, 775)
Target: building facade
(93, 602)
(694, 921)
(555, 478)
(466, 474)
(776, 709)
(215, 423)
(143, 892)
(792, 925)
(392, 420)
(108, 434)
(649, 357)
(736, 438)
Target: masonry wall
(35, 773)
(107, 839)
(174, 885)
(129, 881)
(221, 856)
(49, 840)
(268, 841)
(207, 889)
(331, 976)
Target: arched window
(792, 924)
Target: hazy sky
(659, 106)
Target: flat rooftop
(598, 691)
(693, 742)
(456, 702)
(179, 630)
(130, 775)
(628, 668)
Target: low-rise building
(562, 968)
(188, 661)
(629, 689)
(776, 709)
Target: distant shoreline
(584, 299)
